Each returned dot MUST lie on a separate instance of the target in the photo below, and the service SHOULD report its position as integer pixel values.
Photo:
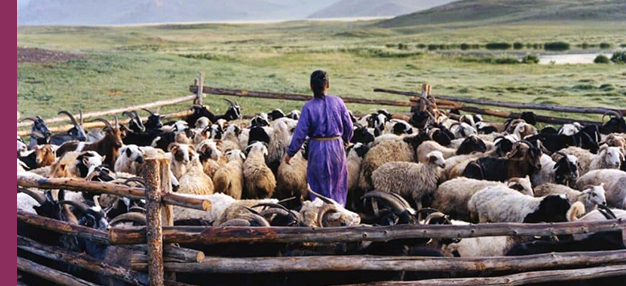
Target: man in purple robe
(325, 120)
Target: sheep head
(44, 155)
(436, 158)
(235, 155)
(523, 185)
(612, 156)
(209, 149)
(566, 169)
(595, 194)
(181, 153)
(330, 213)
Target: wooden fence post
(154, 233)
(200, 88)
(168, 217)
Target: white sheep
(410, 180)
(291, 179)
(219, 204)
(385, 151)
(614, 185)
(259, 179)
(607, 158)
(502, 204)
(130, 160)
(211, 156)
(451, 196)
(187, 169)
(229, 178)
(591, 196)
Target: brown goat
(108, 146)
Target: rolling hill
(511, 11)
(375, 8)
(89, 12)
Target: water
(569, 59)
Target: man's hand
(287, 159)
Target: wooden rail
(293, 96)
(572, 109)
(50, 274)
(117, 111)
(73, 184)
(94, 235)
(202, 235)
(394, 263)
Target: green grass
(132, 65)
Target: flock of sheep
(449, 169)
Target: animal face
(362, 135)
(260, 120)
(258, 147)
(94, 217)
(154, 122)
(39, 129)
(275, 114)
(208, 149)
(202, 123)
(565, 170)
(235, 155)
(436, 158)
(87, 161)
(402, 127)
(613, 156)
(233, 112)
(182, 153)
(472, 144)
(44, 155)
(294, 114)
(596, 194)
(132, 153)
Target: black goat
(275, 114)
(471, 144)
(39, 133)
(502, 169)
(616, 123)
(233, 112)
(600, 241)
(362, 135)
(76, 133)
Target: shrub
(390, 45)
(505, 61)
(442, 47)
(432, 47)
(498, 46)
(623, 45)
(518, 45)
(585, 46)
(605, 45)
(530, 59)
(619, 57)
(475, 46)
(421, 46)
(537, 46)
(556, 46)
(601, 59)
(465, 46)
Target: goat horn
(129, 114)
(137, 209)
(136, 180)
(96, 201)
(236, 222)
(70, 116)
(322, 213)
(272, 211)
(78, 205)
(116, 121)
(106, 122)
(270, 205)
(230, 102)
(33, 119)
(147, 110)
(39, 197)
(323, 198)
(130, 216)
(608, 211)
(391, 200)
(434, 215)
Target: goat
(499, 169)
(187, 169)
(40, 156)
(76, 133)
(108, 146)
(39, 133)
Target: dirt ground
(30, 55)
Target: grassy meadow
(127, 65)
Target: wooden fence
(155, 257)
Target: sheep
(325, 212)
(130, 160)
(108, 146)
(228, 179)
(281, 137)
(259, 179)
(219, 204)
(502, 204)
(388, 151)
(591, 196)
(291, 179)
(75, 164)
(40, 156)
(564, 171)
(355, 154)
(614, 185)
(480, 246)
(211, 156)
(607, 158)
(187, 169)
(230, 140)
(469, 145)
(407, 179)
(584, 157)
(462, 130)
(451, 197)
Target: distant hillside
(374, 8)
(89, 12)
(502, 11)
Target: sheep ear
(172, 146)
(128, 152)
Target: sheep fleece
(406, 179)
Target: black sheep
(600, 241)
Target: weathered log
(99, 124)
(63, 227)
(194, 234)
(518, 105)
(516, 279)
(292, 96)
(50, 274)
(82, 260)
(173, 252)
(200, 83)
(154, 236)
(118, 110)
(74, 184)
(394, 263)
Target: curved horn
(270, 205)
(39, 197)
(322, 213)
(434, 215)
(608, 213)
(70, 116)
(391, 201)
(96, 202)
(136, 180)
(80, 206)
(230, 102)
(236, 222)
(129, 114)
(131, 216)
(137, 209)
(323, 198)
(106, 122)
(33, 119)
(426, 211)
(147, 110)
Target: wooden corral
(158, 259)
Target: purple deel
(327, 171)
